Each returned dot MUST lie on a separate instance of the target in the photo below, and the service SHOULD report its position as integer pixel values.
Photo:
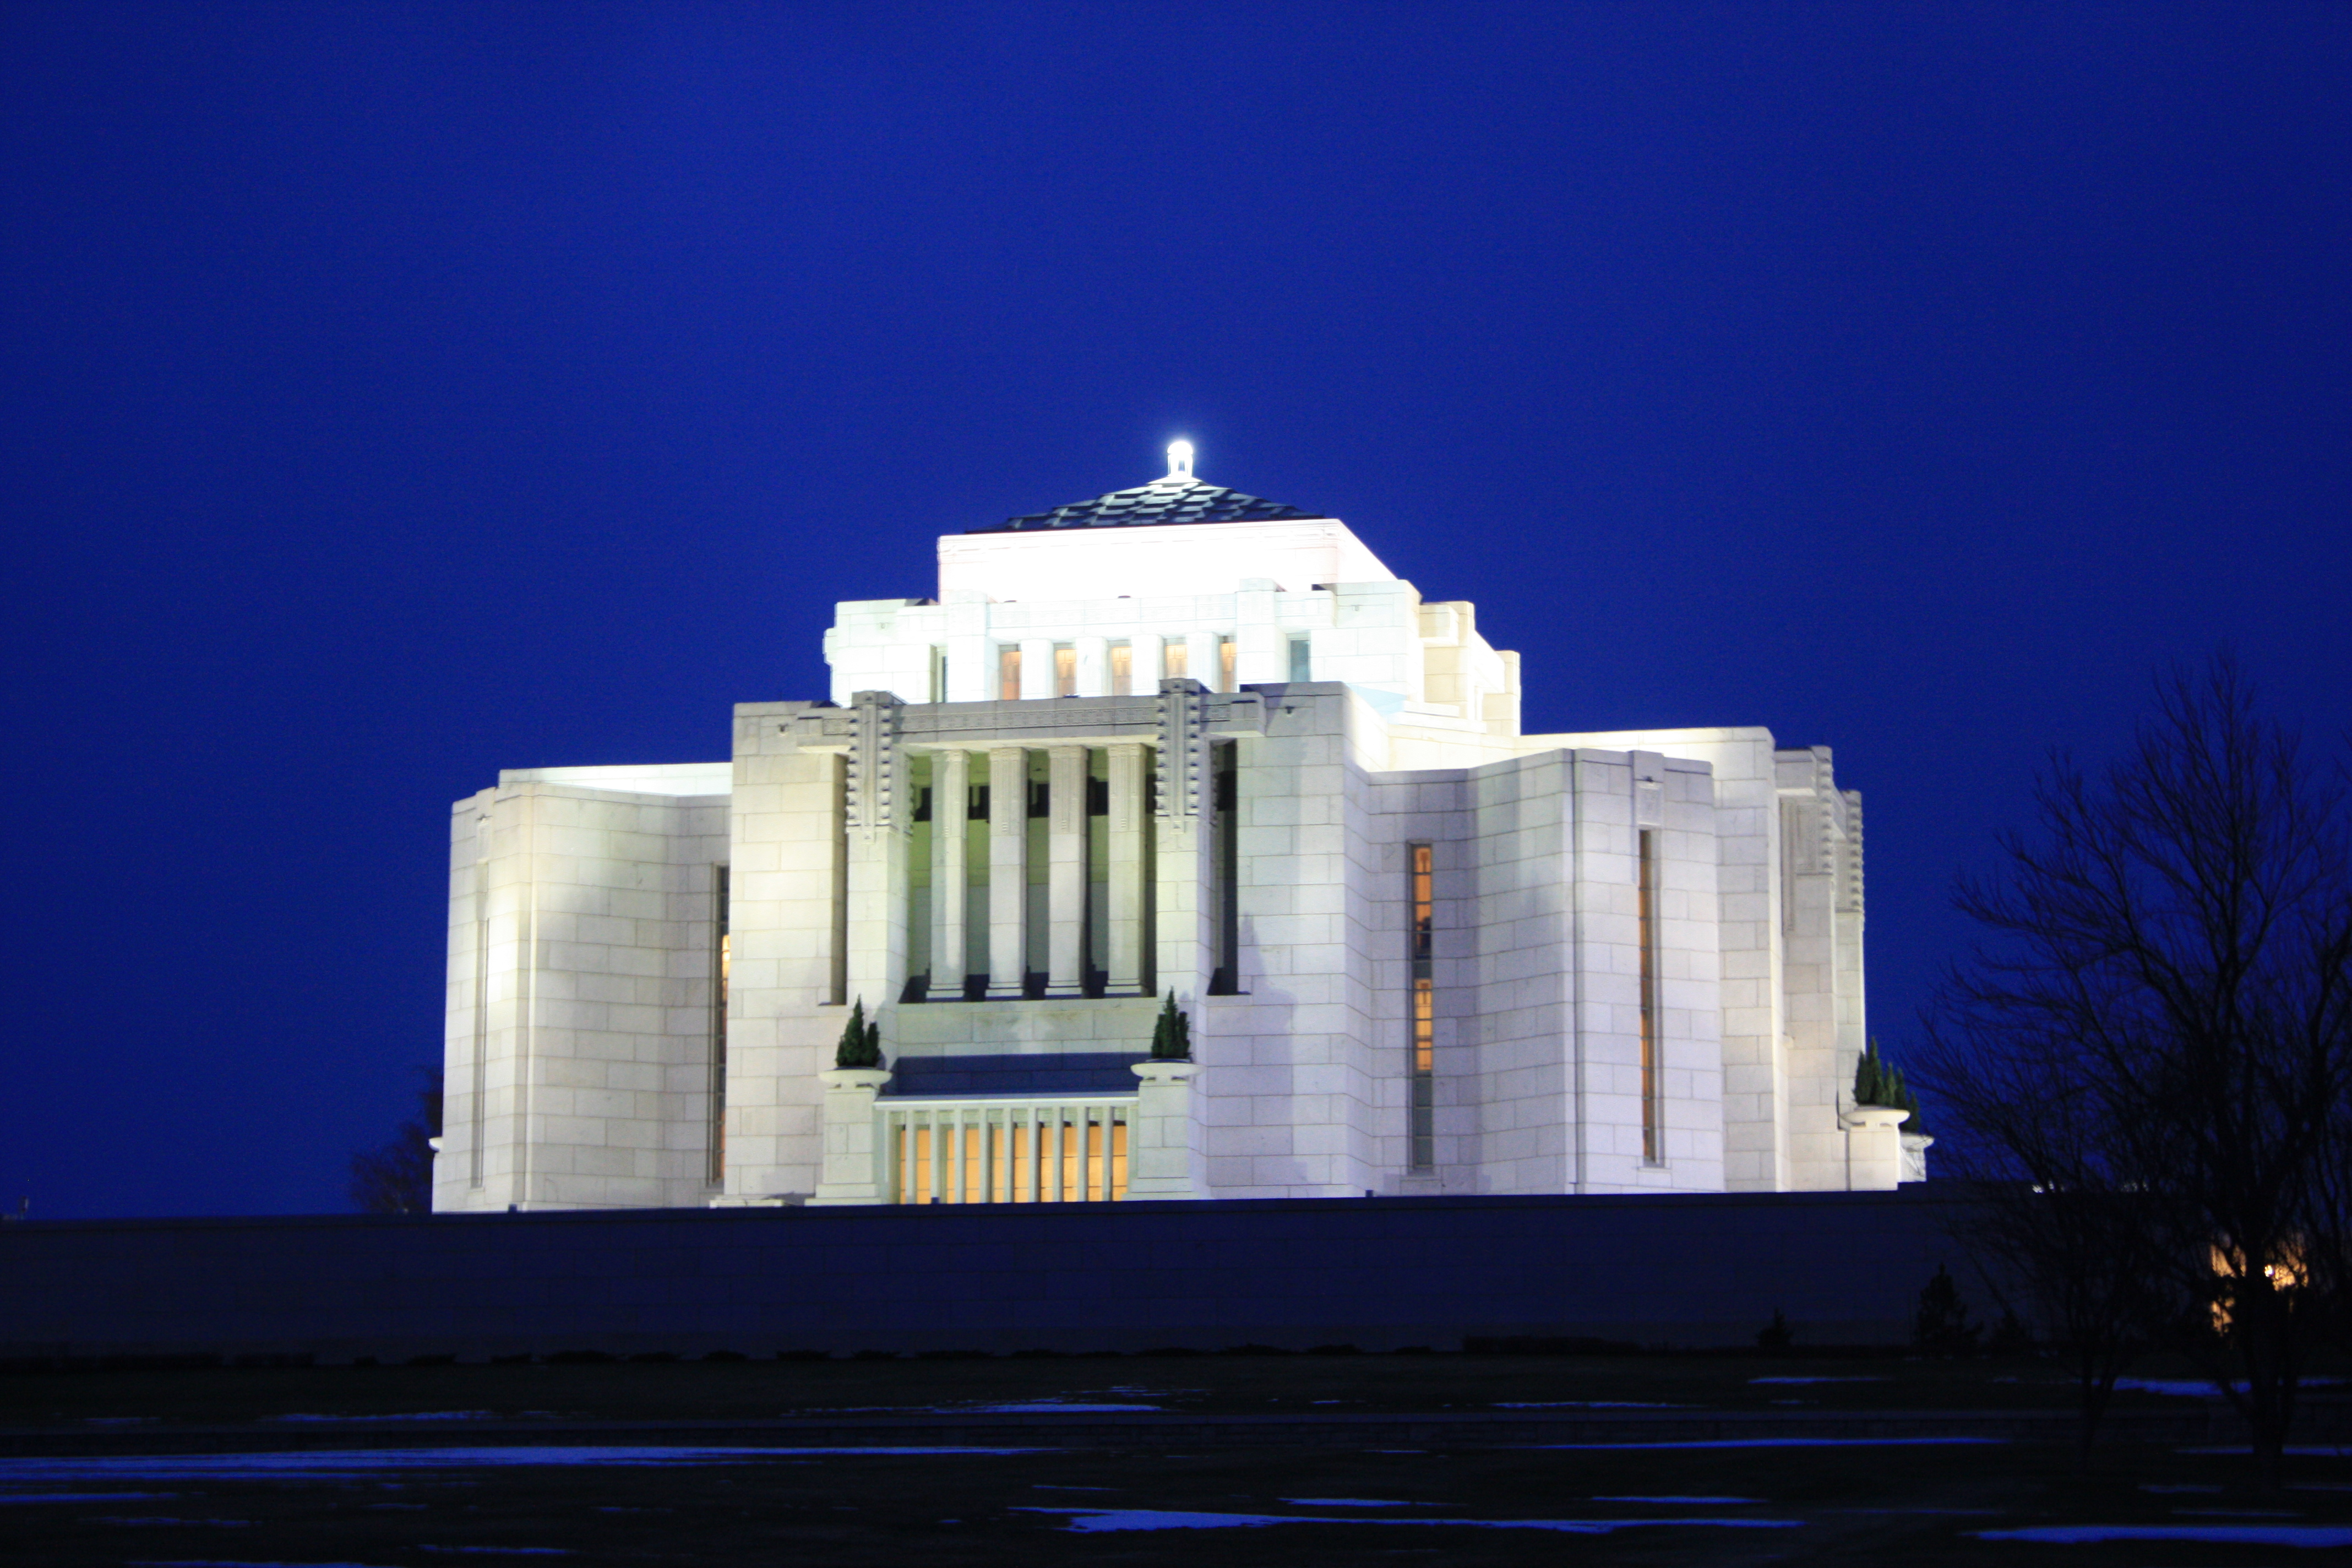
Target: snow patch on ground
(411, 1415)
(362, 1461)
(1043, 1407)
(2221, 1534)
(1093, 1521)
(1780, 1443)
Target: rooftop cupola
(1177, 497)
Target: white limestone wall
(1047, 1028)
(1153, 588)
(584, 1078)
(1513, 984)
(1617, 794)
(1820, 923)
(1434, 807)
(1291, 1093)
(789, 965)
(1180, 558)
(1537, 973)
(1748, 933)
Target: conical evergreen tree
(861, 1042)
(1870, 1077)
(1877, 1082)
(1171, 1033)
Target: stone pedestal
(853, 1157)
(1915, 1156)
(1163, 1149)
(1874, 1148)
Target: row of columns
(1008, 869)
(1204, 661)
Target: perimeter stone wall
(1376, 1273)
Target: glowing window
(1422, 1066)
(1122, 671)
(1008, 675)
(1015, 1153)
(1065, 671)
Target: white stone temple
(1172, 741)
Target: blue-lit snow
(2304, 1535)
(1044, 1407)
(361, 1461)
(1774, 1443)
(1096, 1520)
(408, 1416)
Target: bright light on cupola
(1179, 461)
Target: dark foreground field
(1243, 1459)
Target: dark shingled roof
(1165, 500)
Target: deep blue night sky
(393, 393)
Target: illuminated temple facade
(1172, 741)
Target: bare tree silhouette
(2151, 1053)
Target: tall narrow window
(1224, 664)
(938, 675)
(1008, 675)
(1301, 659)
(1122, 669)
(1645, 934)
(722, 962)
(1424, 1065)
(1065, 671)
(1176, 658)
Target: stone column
(1036, 667)
(853, 1151)
(1066, 888)
(1874, 1148)
(1163, 1150)
(1008, 865)
(1146, 669)
(950, 792)
(1126, 890)
(1093, 666)
(1201, 662)
(1260, 652)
